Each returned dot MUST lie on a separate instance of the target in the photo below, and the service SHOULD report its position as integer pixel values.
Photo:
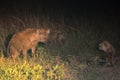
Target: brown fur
(27, 39)
(109, 51)
(58, 37)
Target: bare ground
(109, 73)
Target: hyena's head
(42, 35)
(105, 46)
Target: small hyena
(27, 39)
(109, 51)
(57, 37)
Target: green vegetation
(30, 71)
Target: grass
(76, 59)
(28, 71)
(34, 69)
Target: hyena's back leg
(14, 53)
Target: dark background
(68, 8)
(99, 5)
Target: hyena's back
(27, 39)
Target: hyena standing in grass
(109, 51)
(27, 39)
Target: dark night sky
(67, 5)
(62, 3)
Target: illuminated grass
(23, 70)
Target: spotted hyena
(27, 39)
(57, 37)
(109, 51)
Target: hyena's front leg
(113, 59)
(108, 60)
(33, 50)
(25, 54)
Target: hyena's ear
(48, 31)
